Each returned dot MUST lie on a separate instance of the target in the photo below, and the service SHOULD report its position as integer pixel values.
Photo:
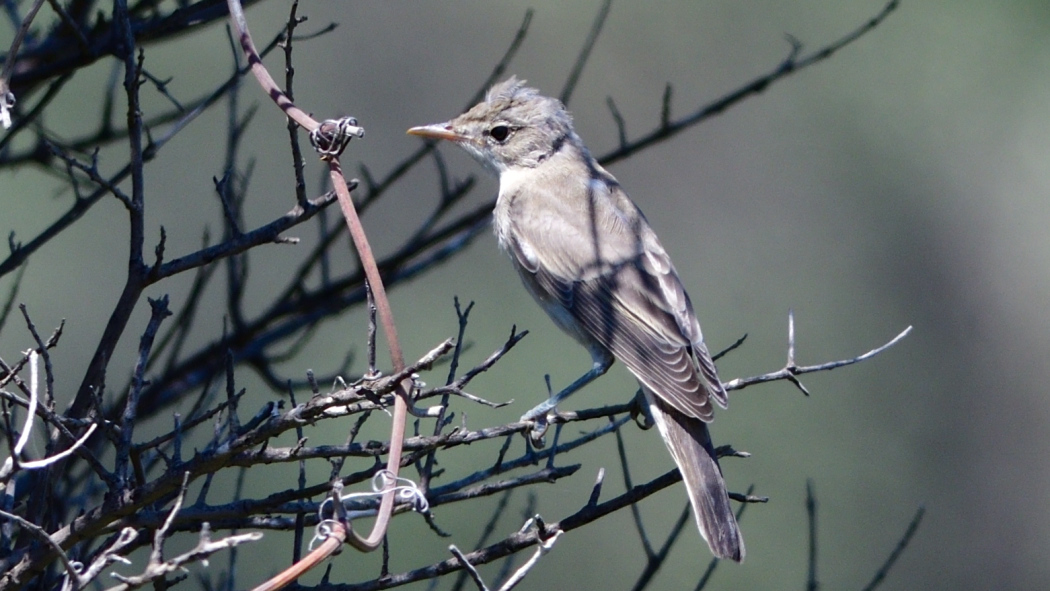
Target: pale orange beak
(438, 131)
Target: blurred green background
(902, 182)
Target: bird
(589, 257)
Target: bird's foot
(640, 413)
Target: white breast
(510, 184)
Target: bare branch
(792, 64)
(585, 52)
(790, 370)
(7, 98)
(39, 532)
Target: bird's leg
(538, 415)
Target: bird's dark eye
(499, 133)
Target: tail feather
(689, 442)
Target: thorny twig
(791, 370)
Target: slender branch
(39, 532)
(7, 98)
(794, 63)
(240, 25)
(902, 544)
(811, 514)
(790, 370)
(585, 52)
(267, 234)
(367, 260)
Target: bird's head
(514, 127)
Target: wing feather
(604, 272)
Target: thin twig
(39, 532)
(6, 96)
(794, 63)
(811, 514)
(585, 52)
(790, 370)
(909, 533)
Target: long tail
(690, 444)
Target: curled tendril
(404, 489)
(330, 138)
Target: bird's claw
(640, 412)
